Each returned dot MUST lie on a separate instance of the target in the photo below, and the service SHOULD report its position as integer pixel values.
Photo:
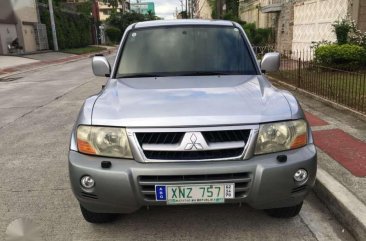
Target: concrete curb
(343, 204)
(44, 64)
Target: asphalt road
(37, 111)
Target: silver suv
(187, 117)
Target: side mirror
(101, 66)
(270, 62)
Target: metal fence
(262, 50)
(344, 87)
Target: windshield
(185, 50)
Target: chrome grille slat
(193, 182)
(175, 147)
(193, 155)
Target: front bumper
(117, 189)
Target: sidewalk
(10, 65)
(341, 180)
(9, 61)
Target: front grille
(175, 138)
(159, 137)
(193, 155)
(147, 183)
(226, 136)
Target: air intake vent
(89, 195)
(298, 189)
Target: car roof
(180, 22)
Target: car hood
(189, 101)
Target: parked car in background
(188, 117)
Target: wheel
(286, 212)
(92, 217)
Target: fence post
(299, 73)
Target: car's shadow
(204, 222)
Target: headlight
(103, 141)
(280, 136)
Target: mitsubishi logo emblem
(194, 144)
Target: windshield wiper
(203, 73)
(138, 75)
(185, 73)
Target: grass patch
(347, 88)
(84, 50)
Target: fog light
(300, 175)
(87, 182)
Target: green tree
(258, 36)
(231, 12)
(114, 3)
(123, 20)
(85, 7)
(114, 34)
(342, 28)
(232, 7)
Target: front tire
(92, 217)
(286, 212)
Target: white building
(19, 20)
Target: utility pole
(219, 5)
(218, 9)
(190, 8)
(181, 4)
(123, 6)
(53, 26)
(186, 8)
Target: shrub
(114, 34)
(346, 56)
(342, 28)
